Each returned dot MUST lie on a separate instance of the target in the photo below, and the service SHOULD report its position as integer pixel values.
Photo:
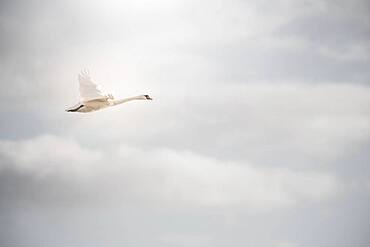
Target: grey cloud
(258, 133)
(77, 223)
(171, 176)
(128, 190)
(300, 126)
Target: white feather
(92, 98)
(89, 90)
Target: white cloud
(291, 125)
(169, 176)
(189, 178)
(258, 105)
(48, 154)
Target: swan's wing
(89, 90)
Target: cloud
(234, 41)
(260, 123)
(169, 176)
(47, 154)
(300, 126)
(193, 179)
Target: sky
(258, 134)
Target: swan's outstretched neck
(139, 97)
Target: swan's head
(147, 97)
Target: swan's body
(92, 97)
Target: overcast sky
(258, 134)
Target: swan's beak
(147, 97)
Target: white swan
(92, 97)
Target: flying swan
(92, 97)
